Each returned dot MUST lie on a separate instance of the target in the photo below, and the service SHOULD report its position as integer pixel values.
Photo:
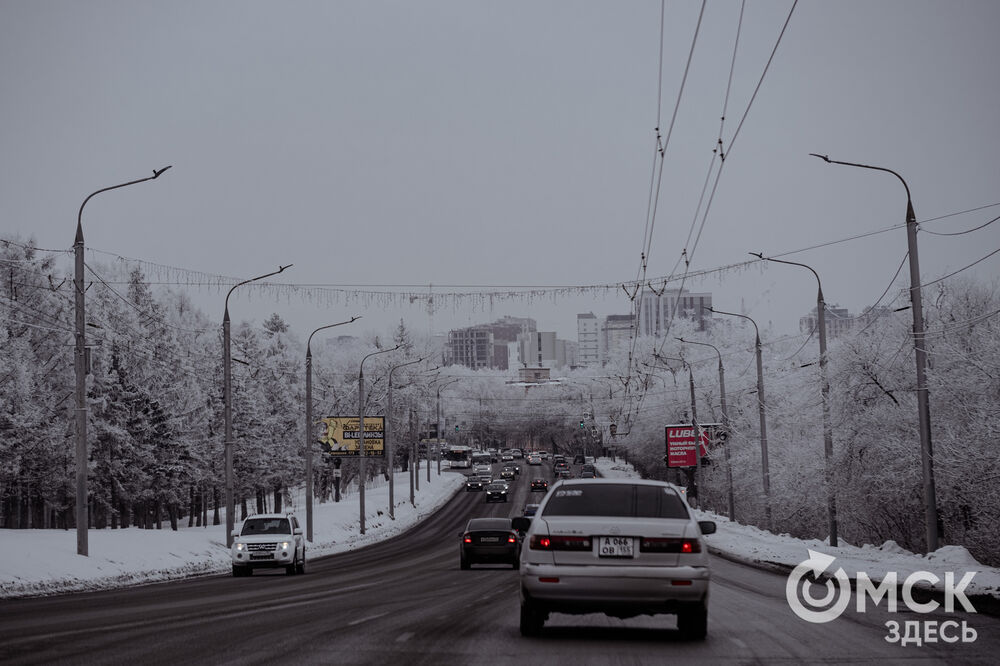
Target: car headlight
(239, 546)
(284, 545)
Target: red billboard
(680, 445)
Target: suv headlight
(284, 545)
(239, 545)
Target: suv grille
(252, 547)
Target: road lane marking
(366, 619)
(403, 637)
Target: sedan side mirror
(521, 523)
(707, 526)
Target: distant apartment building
(472, 347)
(616, 332)
(597, 336)
(656, 310)
(838, 321)
(588, 339)
(488, 345)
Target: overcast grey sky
(474, 143)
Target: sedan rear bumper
(585, 588)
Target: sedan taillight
(669, 545)
(512, 537)
(560, 543)
(467, 538)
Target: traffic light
(581, 424)
(456, 427)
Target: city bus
(458, 457)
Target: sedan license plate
(616, 546)
(491, 539)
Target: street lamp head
(157, 172)
(825, 158)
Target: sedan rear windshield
(489, 524)
(618, 500)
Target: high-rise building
(657, 309)
(616, 332)
(588, 339)
(471, 347)
(838, 321)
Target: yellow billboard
(341, 436)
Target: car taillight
(467, 538)
(560, 543)
(669, 545)
(512, 537)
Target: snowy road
(406, 601)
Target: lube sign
(680, 445)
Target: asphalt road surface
(405, 601)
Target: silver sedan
(622, 547)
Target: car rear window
(617, 500)
(489, 524)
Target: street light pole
(361, 432)
(765, 467)
(388, 444)
(440, 429)
(920, 351)
(725, 426)
(227, 379)
(309, 426)
(80, 369)
(831, 491)
(694, 425)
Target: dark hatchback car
(539, 485)
(490, 541)
(496, 492)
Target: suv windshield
(265, 526)
(618, 500)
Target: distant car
(496, 492)
(517, 453)
(489, 540)
(539, 485)
(474, 483)
(564, 473)
(561, 464)
(494, 455)
(268, 541)
(507, 473)
(578, 459)
(624, 547)
(513, 466)
(506, 455)
(544, 455)
(482, 468)
(534, 459)
(529, 510)
(588, 474)
(588, 460)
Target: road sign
(342, 435)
